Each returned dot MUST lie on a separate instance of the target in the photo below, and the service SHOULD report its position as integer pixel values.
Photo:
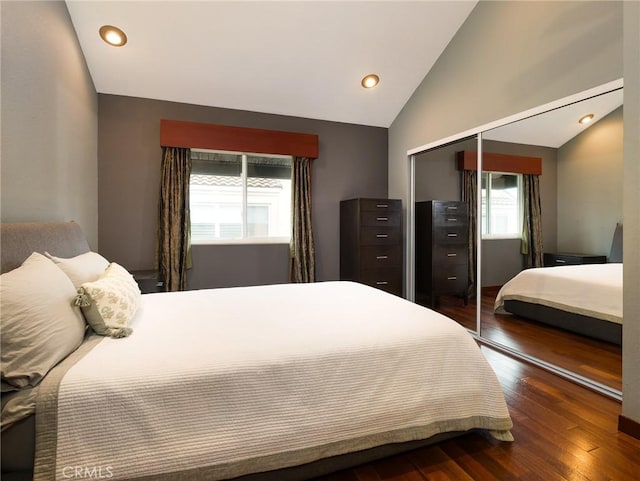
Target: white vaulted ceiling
(556, 127)
(300, 58)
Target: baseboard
(629, 426)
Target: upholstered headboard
(19, 240)
(616, 245)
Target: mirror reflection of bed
(576, 309)
(581, 200)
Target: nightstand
(563, 259)
(148, 281)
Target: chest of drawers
(371, 243)
(442, 230)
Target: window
(236, 197)
(501, 205)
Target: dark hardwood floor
(597, 360)
(562, 432)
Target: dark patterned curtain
(173, 250)
(469, 196)
(303, 264)
(531, 245)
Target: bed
(265, 382)
(584, 299)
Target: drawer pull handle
(452, 219)
(452, 254)
(382, 206)
(452, 207)
(382, 257)
(382, 236)
(452, 278)
(382, 219)
(452, 235)
(381, 283)
(561, 261)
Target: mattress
(219, 383)
(593, 290)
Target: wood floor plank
(618, 461)
(345, 475)
(558, 451)
(472, 465)
(397, 469)
(434, 464)
(498, 458)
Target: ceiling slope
(299, 58)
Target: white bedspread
(593, 290)
(225, 376)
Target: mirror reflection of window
(501, 205)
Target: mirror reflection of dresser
(442, 234)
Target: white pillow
(40, 326)
(110, 303)
(86, 267)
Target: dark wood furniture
(551, 259)
(371, 243)
(148, 281)
(442, 230)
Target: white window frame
(243, 225)
(516, 235)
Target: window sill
(258, 241)
(501, 237)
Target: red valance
(177, 133)
(518, 164)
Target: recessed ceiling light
(113, 35)
(586, 119)
(370, 81)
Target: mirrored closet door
(556, 282)
(544, 263)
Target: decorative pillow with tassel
(110, 303)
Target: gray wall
(631, 200)
(590, 168)
(352, 163)
(437, 174)
(49, 120)
(555, 49)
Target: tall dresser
(371, 243)
(442, 230)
